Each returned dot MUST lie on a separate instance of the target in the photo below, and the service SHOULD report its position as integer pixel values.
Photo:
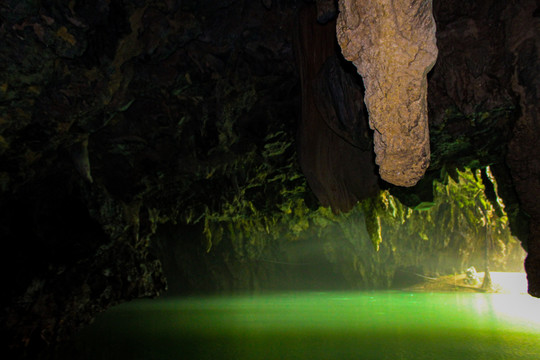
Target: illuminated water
(368, 325)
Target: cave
(179, 147)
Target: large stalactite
(488, 51)
(392, 43)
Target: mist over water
(316, 286)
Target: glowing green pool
(373, 325)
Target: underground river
(318, 325)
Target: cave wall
(523, 40)
(483, 102)
(316, 249)
(333, 140)
(122, 122)
(482, 105)
(117, 117)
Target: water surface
(334, 325)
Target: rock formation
(523, 41)
(392, 43)
(126, 123)
(483, 104)
(334, 146)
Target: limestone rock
(393, 45)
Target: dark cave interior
(216, 141)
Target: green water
(366, 325)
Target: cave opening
(320, 284)
(379, 244)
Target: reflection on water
(334, 325)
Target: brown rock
(333, 141)
(326, 11)
(392, 43)
(523, 151)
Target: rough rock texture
(119, 116)
(336, 251)
(483, 102)
(392, 43)
(523, 41)
(78, 248)
(326, 10)
(334, 146)
(123, 122)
